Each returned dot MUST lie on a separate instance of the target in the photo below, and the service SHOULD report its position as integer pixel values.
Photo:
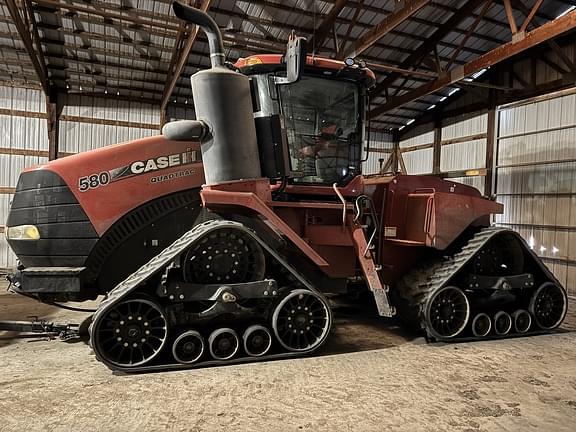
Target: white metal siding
(381, 145)
(536, 178)
(418, 161)
(19, 132)
(78, 136)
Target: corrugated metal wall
(536, 178)
(88, 122)
(380, 146)
(418, 161)
(23, 142)
(463, 147)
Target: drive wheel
(225, 255)
(447, 312)
(301, 321)
(132, 333)
(548, 305)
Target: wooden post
(491, 133)
(437, 152)
(53, 117)
(395, 150)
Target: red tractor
(220, 241)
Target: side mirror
(295, 57)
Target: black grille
(67, 236)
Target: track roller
(223, 343)
(257, 340)
(548, 305)
(502, 323)
(131, 333)
(301, 321)
(522, 321)
(447, 312)
(481, 325)
(188, 347)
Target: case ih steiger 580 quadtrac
(219, 241)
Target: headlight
(23, 232)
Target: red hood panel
(110, 181)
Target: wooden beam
(20, 113)
(437, 146)
(127, 124)
(531, 15)
(544, 33)
(384, 27)
(35, 54)
(390, 68)
(183, 60)
(53, 125)
(322, 32)
(427, 46)
(510, 15)
(7, 190)
(469, 33)
(490, 148)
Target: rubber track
(420, 284)
(159, 262)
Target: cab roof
(273, 62)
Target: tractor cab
(320, 113)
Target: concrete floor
(371, 376)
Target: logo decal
(141, 167)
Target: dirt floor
(371, 376)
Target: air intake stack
(222, 101)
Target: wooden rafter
(542, 34)
(427, 46)
(510, 16)
(531, 15)
(384, 27)
(469, 33)
(182, 60)
(327, 25)
(26, 33)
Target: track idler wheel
(223, 343)
(522, 321)
(132, 333)
(548, 305)
(447, 312)
(302, 321)
(188, 347)
(502, 323)
(225, 255)
(481, 325)
(257, 340)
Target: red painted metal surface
(417, 213)
(108, 202)
(274, 59)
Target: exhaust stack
(223, 103)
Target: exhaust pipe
(223, 343)
(257, 340)
(223, 103)
(522, 321)
(481, 325)
(200, 18)
(502, 323)
(188, 347)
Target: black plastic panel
(66, 234)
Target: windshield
(322, 120)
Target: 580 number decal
(93, 181)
